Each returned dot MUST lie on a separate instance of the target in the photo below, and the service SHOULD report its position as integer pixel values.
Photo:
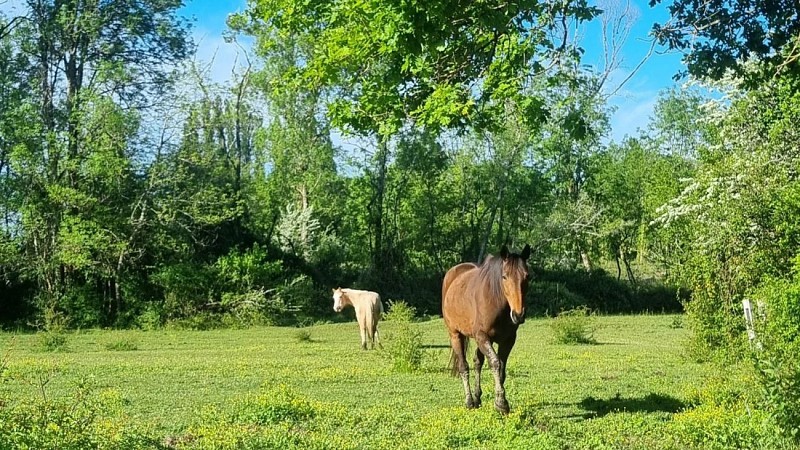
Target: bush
(404, 343)
(553, 291)
(778, 358)
(53, 341)
(83, 306)
(150, 318)
(400, 311)
(576, 326)
(780, 383)
(186, 287)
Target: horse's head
(338, 294)
(515, 281)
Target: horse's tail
(453, 365)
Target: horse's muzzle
(518, 319)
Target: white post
(748, 317)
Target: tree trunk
(628, 269)
(377, 205)
(303, 191)
(585, 260)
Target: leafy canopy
(722, 35)
(440, 63)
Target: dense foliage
(374, 144)
(138, 195)
(720, 36)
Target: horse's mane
(490, 273)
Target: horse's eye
(505, 277)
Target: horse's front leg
(485, 345)
(478, 360)
(503, 350)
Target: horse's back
(367, 303)
(455, 305)
(454, 273)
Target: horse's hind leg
(458, 343)
(363, 331)
(371, 330)
(376, 338)
(478, 361)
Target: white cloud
(633, 103)
(632, 115)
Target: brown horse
(486, 303)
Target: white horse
(368, 308)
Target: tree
(719, 35)
(630, 182)
(440, 63)
(737, 206)
(569, 141)
(298, 148)
(89, 59)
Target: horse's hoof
(476, 400)
(502, 407)
(470, 404)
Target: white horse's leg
(363, 337)
(362, 326)
(376, 337)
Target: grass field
(193, 389)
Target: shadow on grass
(435, 345)
(650, 403)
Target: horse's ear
(504, 252)
(526, 252)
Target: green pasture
(188, 389)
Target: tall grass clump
(122, 345)
(53, 338)
(53, 341)
(85, 419)
(303, 335)
(724, 414)
(404, 343)
(576, 326)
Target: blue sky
(634, 102)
